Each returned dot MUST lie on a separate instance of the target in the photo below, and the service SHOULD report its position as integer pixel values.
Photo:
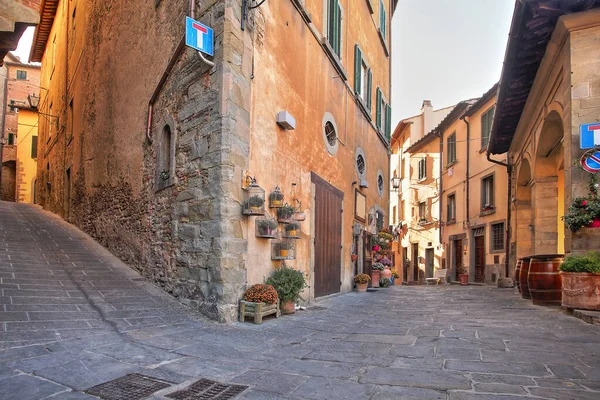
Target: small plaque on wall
(360, 206)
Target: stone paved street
(73, 317)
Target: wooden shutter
(357, 69)
(378, 108)
(369, 89)
(34, 144)
(382, 19)
(337, 27)
(388, 121)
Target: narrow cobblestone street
(74, 317)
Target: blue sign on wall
(199, 36)
(589, 135)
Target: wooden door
(429, 263)
(458, 258)
(415, 262)
(328, 237)
(479, 259)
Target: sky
(446, 51)
(442, 50)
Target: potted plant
(583, 212)
(581, 281)
(463, 275)
(259, 300)
(376, 274)
(284, 249)
(397, 280)
(384, 282)
(276, 198)
(267, 227)
(255, 204)
(289, 283)
(292, 229)
(284, 214)
(361, 280)
(488, 207)
(422, 221)
(387, 265)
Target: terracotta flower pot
(361, 287)
(287, 307)
(595, 223)
(386, 273)
(375, 275)
(581, 290)
(464, 279)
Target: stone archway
(524, 212)
(547, 177)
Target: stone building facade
(539, 113)
(150, 146)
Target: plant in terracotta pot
(284, 214)
(581, 281)
(584, 211)
(292, 228)
(284, 249)
(397, 280)
(276, 198)
(463, 275)
(387, 265)
(376, 273)
(384, 282)
(289, 283)
(361, 280)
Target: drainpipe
(508, 209)
(467, 167)
(3, 126)
(441, 189)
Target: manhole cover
(128, 387)
(205, 389)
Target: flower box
(258, 311)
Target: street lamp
(34, 101)
(396, 184)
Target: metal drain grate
(205, 389)
(128, 387)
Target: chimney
(427, 112)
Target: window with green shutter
(382, 19)
(388, 122)
(11, 138)
(486, 126)
(378, 108)
(334, 25)
(362, 77)
(451, 149)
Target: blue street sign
(591, 162)
(589, 135)
(199, 36)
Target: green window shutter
(34, 144)
(369, 89)
(378, 108)
(330, 9)
(388, 121)
(357, 68)
(337, 26)
(382, 18)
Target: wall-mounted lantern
(396, 184)
(254, 199)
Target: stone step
(591, 317)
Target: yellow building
(474, 195)
(26, 171)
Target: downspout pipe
(508, 210)
(467, 177)
(441, 189)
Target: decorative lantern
(285, 213)
(283, 250)
(254, 200)
(291, 230)
(266, 227)
(276, 198)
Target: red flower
(584, 203)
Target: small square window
(487, 193)
(21, 75)
(422, 168)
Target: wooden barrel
(544, 279)
(523, 272)
(517, 271)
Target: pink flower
(584, 203)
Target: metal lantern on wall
(291, 230)
(276, 198)
(266, 227)
(283, 250)
(254, 200)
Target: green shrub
(384, 282)
(288, 282)
(587, 263)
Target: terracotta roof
(532, 26)
(42, 31)
(487, 96)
